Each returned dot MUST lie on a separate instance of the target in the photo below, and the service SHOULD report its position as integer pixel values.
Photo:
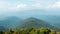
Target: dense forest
(41, 30)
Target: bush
(31, 31)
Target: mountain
(34, 23)
(9, 21)
(2, 28)
(57, 25)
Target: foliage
(41, 30)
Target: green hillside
(35, 23)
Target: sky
(30, 7)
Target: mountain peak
(32, 18)
(35, 23)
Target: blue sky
(50, 7)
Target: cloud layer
(16, 5)
(55, 5)
(35, 5)
(9, 6)
(28, 4)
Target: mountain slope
(35, 23)
(3, 28)
(57, 25)
(9, 21)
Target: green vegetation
(30, 26)
(41, 30)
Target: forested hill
(35, 23)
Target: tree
(44, 30)
(53, 32)
(1, 32)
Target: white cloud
(17, 6)
(55, 5)
(3, 5)
(20, 6)
(34, 6)
(37, 5)
(11, 6)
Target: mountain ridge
(34, 23)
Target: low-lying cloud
(4, 5)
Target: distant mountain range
(34, 23)
(9, 21)
(3, 28)
(15, 22)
